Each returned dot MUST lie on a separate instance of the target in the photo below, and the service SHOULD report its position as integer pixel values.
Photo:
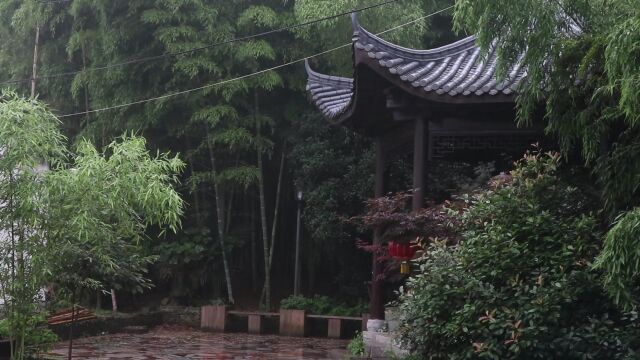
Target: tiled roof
(331, 94)
(458, 70)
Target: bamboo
(263, 211)
(85, 87)
(196, 199)
(254, 255)
(35, 63)
(220, 219)
(73, 304)
(114, 301)
(275, 217)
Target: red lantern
(403, 252)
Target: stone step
(379, 345)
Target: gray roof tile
(455, 70)
(331, 94)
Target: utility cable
(196, 49)
(169, 95)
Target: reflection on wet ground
(180, 343)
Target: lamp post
(296, 280)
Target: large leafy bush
(520, 284)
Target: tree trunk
(265, 235)
(34, 73)
(220, 218)
(296, 269)
(227, 224)
(10, 304)
(276, 209)
(73, 319)
(196, 199)
(254, 255)
(114, 301)
(263, 214)
(275, 217)
(85, 87)
(98, 300)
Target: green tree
(519, 284)
(69, 224)
(29, 136)
(324, 159)
(233, 137)
(129, 191)
(583, 71)
(22, 22)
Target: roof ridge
(462, 45)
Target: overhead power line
(223, 82)
(196, 49)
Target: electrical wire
(192, 50)
(223, 82)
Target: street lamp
(296, 280)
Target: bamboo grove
(247, 145)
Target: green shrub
(4, 328)
(356, 346)
(37, 338)
(321, 305)
(520, 284)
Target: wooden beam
(419, 149)
(380, 167)
(376, 307)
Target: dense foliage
(324, 159)
(233, 138)
(73, 219)
(520, 284)
(583, 73)
(37, 338)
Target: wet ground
(180, 343)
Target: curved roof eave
(333, 95)
(454, 73)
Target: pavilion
(442, 103)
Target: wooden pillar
(419, 148)
(380, 166)
(213, 317)
(365, 319)
(293, 323)
(334, 327)
(376, 308)
(254, 324)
